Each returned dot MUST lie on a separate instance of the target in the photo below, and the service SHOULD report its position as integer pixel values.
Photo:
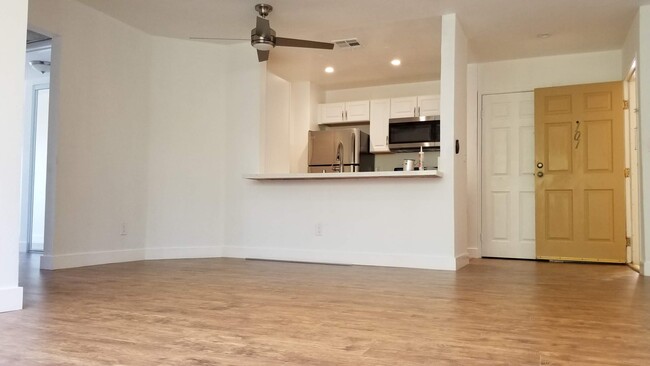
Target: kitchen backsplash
(388, 162)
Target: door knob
(540, 174)
(540, 165)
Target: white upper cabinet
(332, 112)
(429, 105)
(379, 114)
(357, 111)
(424, 105)
(403, 107)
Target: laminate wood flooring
(237, 312)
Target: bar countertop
(358, 175)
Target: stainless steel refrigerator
(340, 150)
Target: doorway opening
(511, 169)
(35, 142)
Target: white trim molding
(461, 261)
(349, 258)
(74, 260)
(474, 252)
(11, 299)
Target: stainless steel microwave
(411, 133)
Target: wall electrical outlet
(318, 230)
(123, 233)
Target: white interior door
(508, 184)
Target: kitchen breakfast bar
(347, 175)
(382, 218)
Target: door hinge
(628, 242)
(626, 172)
(626, 104)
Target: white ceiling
(408, 29)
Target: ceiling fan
(263, 36)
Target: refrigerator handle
(338, 165)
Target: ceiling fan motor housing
(263, 42)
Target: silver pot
(408, 165)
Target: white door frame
(632, 141)
(32, 164)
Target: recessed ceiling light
(543, 35)
(329, 69)
(396, 62)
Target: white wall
(13, 24)
(277, 143)
(526, 75)
(364, 222)
(382, 92)
(98, 135)
(186, 154)
(142, 140)
(453, 110)
(630, 49)
(305, 97)
(246, 79)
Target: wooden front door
(580, 182)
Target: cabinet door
(429, 105)
(357, 111)
(403, 107)
(379, 114)
(332, 112)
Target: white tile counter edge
(359, 175)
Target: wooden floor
(236, 312)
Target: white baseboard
(357, 258)
(91, 258)
(215, 251)
(474, 252)
(11, 299)
(461, 261)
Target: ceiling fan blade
(290, 42)
(263, 55)
(220, 39)
(262, 27)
